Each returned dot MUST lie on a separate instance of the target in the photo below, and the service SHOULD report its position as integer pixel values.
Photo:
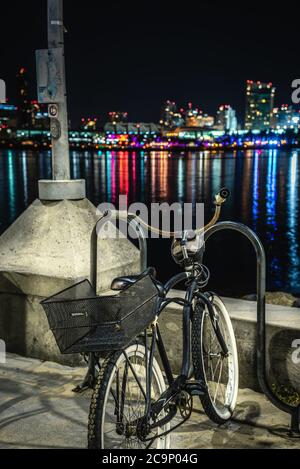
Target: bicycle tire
(217, 415)
(100, 398)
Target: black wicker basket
(83, 322)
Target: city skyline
(119, 57)
(171, 114)
(131, 135)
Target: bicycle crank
(185, 405)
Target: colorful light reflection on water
(265, 196)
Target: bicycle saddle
(120, 283)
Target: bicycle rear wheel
(220, 373)
(118, 403)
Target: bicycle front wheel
(219, 372)
(119, 402)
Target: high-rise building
(170, 116)
(226, 119)
(259, 105)
(39, 118)
(31, 114)
(23, 102)
(285, 117)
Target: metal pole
(60, 146)
(94, 243)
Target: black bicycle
(132, 407)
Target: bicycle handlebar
(220, 198)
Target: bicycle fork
(214, 320)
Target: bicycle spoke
(218, 383)
(126, 404)
(218, 368)
(135, 375)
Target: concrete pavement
(39, 410)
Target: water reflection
(293, 223)
(180, 181)
(271, 215)
(255, 189)
(11, 170)
(25, 176)
(271, 197)
(264, 186)
(215, 174)
(142, 176)
(247, 181)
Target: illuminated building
(131, 134)
(194, 117)
(8, 116)
(31, 114)
(89, 123)
(118, 117)
(24, 105)
(170, 116)
(226, 119)
(285, 117)
(39, 119)
(259, 105)
(206, 121)
(131, 129)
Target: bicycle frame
(176, 384)
(180, 383)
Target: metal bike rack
(261, 318)
(261, 307)
(130, 220)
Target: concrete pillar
(45, 251)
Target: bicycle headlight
(187, 250)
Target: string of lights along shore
(267, 124)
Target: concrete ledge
(283, 327)
(74, 189)
(25, 329)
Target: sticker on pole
(53, 111)
(55, 129)
(50, 75)
(2, 92)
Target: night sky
(132, 56)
